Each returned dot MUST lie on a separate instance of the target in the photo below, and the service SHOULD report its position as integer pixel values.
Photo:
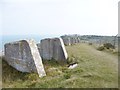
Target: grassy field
(96, 69)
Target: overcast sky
(57, 17)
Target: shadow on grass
(11, 74)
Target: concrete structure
(66, 40)
(24, 56)
(53, 48)
(59, 51)
(46, 48)
(70, 40)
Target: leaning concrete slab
(70, 40)
(46, 48)
(59, 50)
(66, 40)
(24, 56)
(52, 48)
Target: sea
(12, 38)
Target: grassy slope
(95, 69)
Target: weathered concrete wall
(24, 56)
(59, 51)
(52, 48)
(70, 40)
(66, 40)
(46, 48)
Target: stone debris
(52, 48)
(72, 66)
(24, 56)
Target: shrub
(90, 43)
(67, 75)
(72, 59)
(101, 48)
(109, 45)
(118, 53)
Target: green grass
(95, 69)
(110, 51)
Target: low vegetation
(109, 46)
(90, 43)
(95, 69)
(101, 48)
